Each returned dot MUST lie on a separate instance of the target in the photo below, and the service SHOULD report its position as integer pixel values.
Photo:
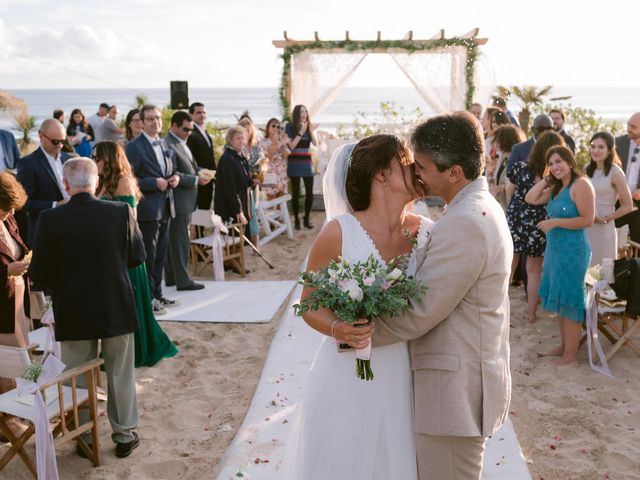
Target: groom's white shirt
(459, 330)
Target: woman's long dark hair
(127, 123)
(611, 158)
(567, 156)
(538, 158)
(295, 119)
(72, 122)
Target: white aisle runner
(258, 448)
(228, 302)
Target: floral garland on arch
(352, 46)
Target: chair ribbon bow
(45, 449)
(51, 347)
(592, 329)
(216, 246)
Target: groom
(459, 329)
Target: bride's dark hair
(370, 156)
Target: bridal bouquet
(359, 290)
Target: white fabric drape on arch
(438, 75)
(318, 78)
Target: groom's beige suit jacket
(459, 329)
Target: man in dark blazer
(40, 173)
(559, 118)
(201, 147)
(9, 151)
(521, 151)
(153, 163)
(184, 198)
(82, 253)
(628, 148)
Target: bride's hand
(356, 335)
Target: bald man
(628, 147)
(40, 173)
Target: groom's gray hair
(454, 139)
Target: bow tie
(156, 143)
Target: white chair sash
(51, 347)
(216, 246)
(593, 342)
(45, 449)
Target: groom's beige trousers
(449, 458)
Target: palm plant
(528, 96)
(141, 100)
(25, 124)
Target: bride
(346, 428)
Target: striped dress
(299, 161)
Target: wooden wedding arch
(438, 43)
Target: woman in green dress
(117, 183)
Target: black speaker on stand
(179, 95)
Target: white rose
(353, 289)
(394, 275)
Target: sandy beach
(571, 423)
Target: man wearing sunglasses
(184, 198)
(40, 173)
(628, 147)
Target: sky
(213, 43)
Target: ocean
(226, 104)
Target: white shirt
(96, 124)
(158, 150)
(633, 168)
(203, 132)
(56, 166)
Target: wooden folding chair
(62, 412)
(201, 246)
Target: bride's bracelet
(333, 328)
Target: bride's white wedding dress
(350, 429)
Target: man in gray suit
(459, 329)
(184, 197)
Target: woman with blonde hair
(117, 183)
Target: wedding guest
(274, 146)
(117, 183)
(542, 123)
(96, 120)
(300, 132)
(184, 198)
(40, 173)
(497, 119)
(109, 128)
(523, 217)
(14, 291)
(233, 179)
(485, 121)
(570, 203)
(9, 151)
(201, 146)
(67, 147)
(559, 118)
(80, 133)
(153, 164)
(132, 125)
(501, 103)
(610, 186)
(476, 110)
(256, 158)
(504, 138)
(92, 294)
(628, 147)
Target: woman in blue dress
(570, 200)
(80, 133)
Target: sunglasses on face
(275, 125)
(187, 129)
(56, 142)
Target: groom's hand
(356, 335)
